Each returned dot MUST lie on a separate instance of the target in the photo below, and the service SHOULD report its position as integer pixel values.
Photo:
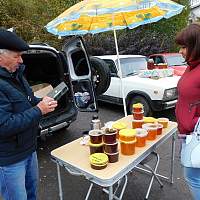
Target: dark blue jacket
(19, 119)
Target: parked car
(46, 67)
(168, 60)
(155, 95)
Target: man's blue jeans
(19, 181)
(192, 176)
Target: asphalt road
(75, 187)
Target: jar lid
(149, 119)
(150, 126)
(128, 142)
(95, 132)
(163, 119)
(95, 145)
(98, 158)
(111, 154)
(137, 105)
(127, 132)
(119, 125)
(140, 132)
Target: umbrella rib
(124, 18)
(89, 29)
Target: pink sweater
(188, 105)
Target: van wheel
(100, 75)
(143, 101)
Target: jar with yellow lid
(127, 148)
(96, 148)
(137, 107)
(127, 135)
(149, 120)
(98, 160)
(164, 121)
(119, 126)
(138, 115)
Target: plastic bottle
(95, 123)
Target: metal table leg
(172, 158)
(89, 190)
(59, 182)
(110, 192)
(114, 193)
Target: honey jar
(127, 135)
(149, 120)
(98, 161)
(113, 157)
(127, 148)
(151, 129)
(111, 148)
(141, 135)
(137, 123)
(159, 129)
(163, 121)
(110, 136)
(96, 148)
(137, 107)
(96, 136)
(138, 115)
(119, 126)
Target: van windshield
(132, 66)
(175, 60)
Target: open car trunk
(44, 71)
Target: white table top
(76, 157)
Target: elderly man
(20, 113)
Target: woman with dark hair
(188, 105)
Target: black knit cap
(9, 40)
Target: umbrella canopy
(95, 16)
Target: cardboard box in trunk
(41, 90)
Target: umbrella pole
(120, 73)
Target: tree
(29, 18)
(148, 39)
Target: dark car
(84, 76)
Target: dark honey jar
(96, 148)
(110, 136)
(113, 157)
(96, 136)
(111, 148)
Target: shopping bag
(190, 152)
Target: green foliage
(29, 18)
(147, 39)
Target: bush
(147, 39)
(29, 18)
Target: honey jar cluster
(138, 115)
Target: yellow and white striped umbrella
(94, 16)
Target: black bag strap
(17, 85)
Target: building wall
(195, 9)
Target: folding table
(74, 157)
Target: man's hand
(47, 105)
